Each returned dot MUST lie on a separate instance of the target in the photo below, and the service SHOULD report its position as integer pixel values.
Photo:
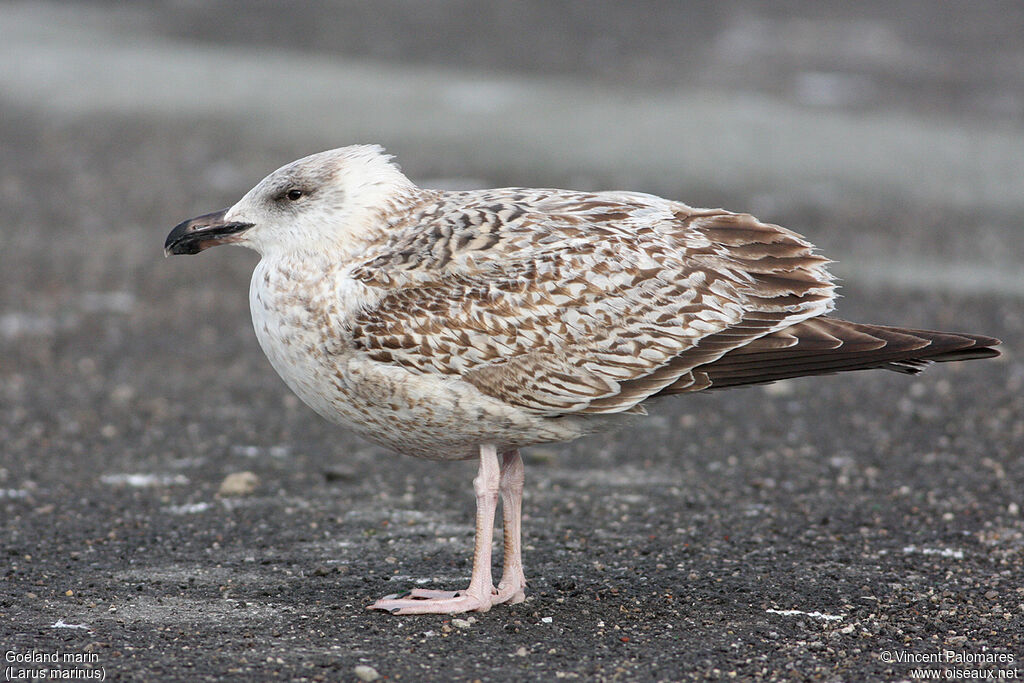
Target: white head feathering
(339, 193)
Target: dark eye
(293, 195)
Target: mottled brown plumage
(447, 324)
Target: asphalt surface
(840, 528)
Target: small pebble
(460, 623)
(333, 474)
(238, 484)
(366, 673)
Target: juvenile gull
(454, 325)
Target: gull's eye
(293, 195)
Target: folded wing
(560, 302)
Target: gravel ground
(820, 529)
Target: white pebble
(366, 673)
(239, 484)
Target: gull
(459, 325)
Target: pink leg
(512, 588)
(480, 595)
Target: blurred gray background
(896, 126)
(889, 133)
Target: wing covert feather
(561, 302)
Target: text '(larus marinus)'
(455, 325)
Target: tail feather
(826, 345)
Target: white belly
(301, 328)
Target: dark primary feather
(826, 345)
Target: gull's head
(323, 201)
